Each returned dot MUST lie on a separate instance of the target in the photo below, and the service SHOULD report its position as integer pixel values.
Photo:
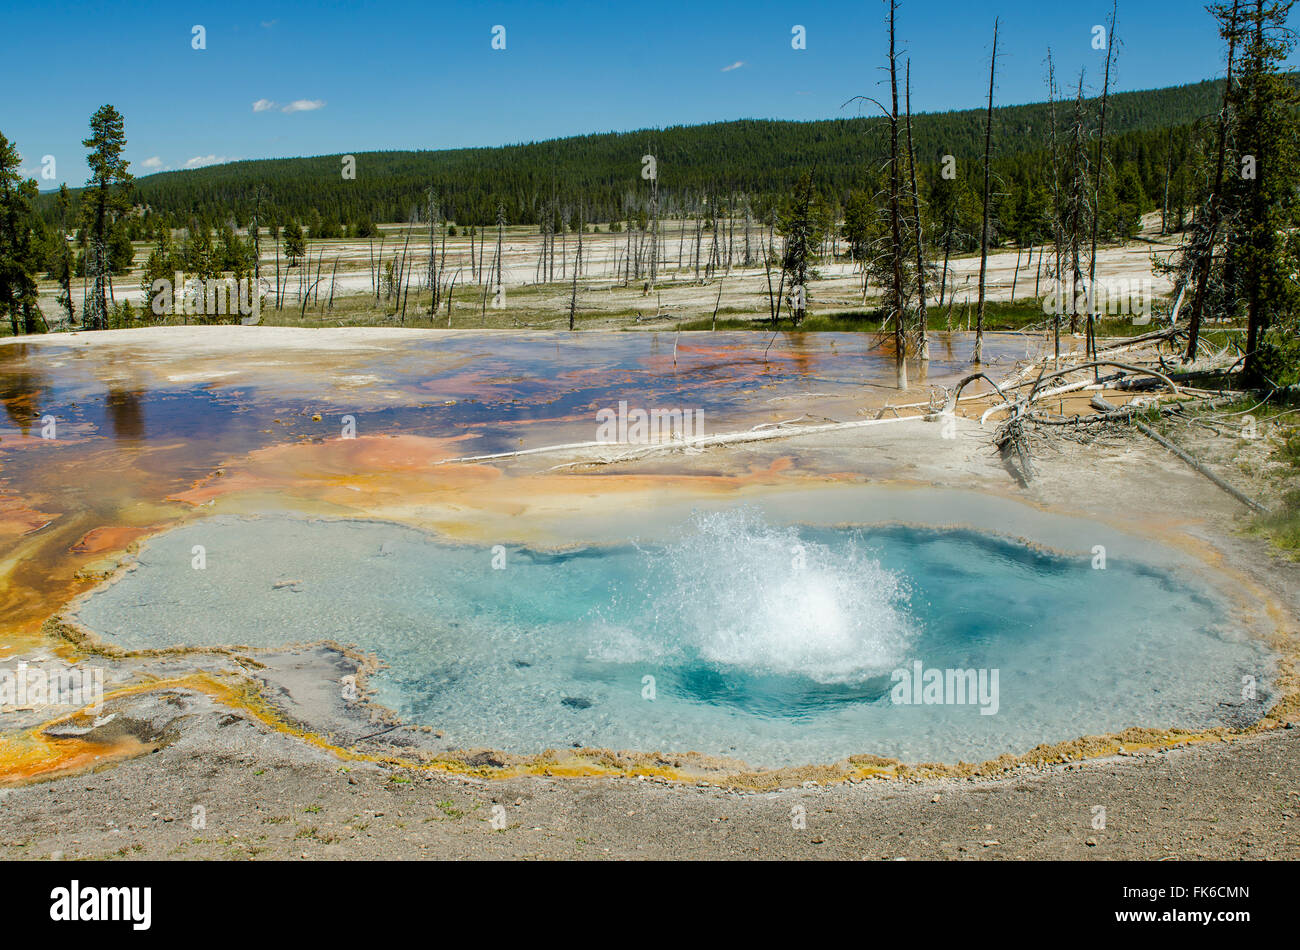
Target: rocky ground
(229, 788)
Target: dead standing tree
(774, 297)
(434, 277)
(923, 317)
(1091, 341)
(501, 230)
(496, 287)
(573, 300)
(749, 256)
(896, 252)
(1058, 215)
(1078, 209)
(255, 223)
(978, 355)
(651, 169)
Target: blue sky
(360, 76)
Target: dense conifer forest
(759, 161)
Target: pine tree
(19, 249)
(1206, 227)
(1265, 190)
(294, 243)
(105, 200)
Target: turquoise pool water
(731, 634)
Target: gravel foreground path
(230, 788)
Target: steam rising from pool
(736, 635)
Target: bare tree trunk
(398, 275)
(699, 226)
(451, 289)
(1169, 169)
(1091, 341)
(896, 214)
(947, 251)
(1077, 187)
(406, 295)
(654, 229)
(433, 278)
(256, 228)
(748, 256)
(731, 228)
(320, 262)
(923, 345)
(501, 226)
(573, 299)
(978, 355)
(582, 227)
(681, 238)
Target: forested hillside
(598, 176)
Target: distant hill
(759, 157)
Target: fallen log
(1140, 370)
(1150, 433)
(1126, 412)
(761, 433)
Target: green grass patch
(999, 315)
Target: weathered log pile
(1146, 376)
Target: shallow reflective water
(487, 384)
(141, 416)
(773, 643)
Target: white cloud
(736, 65)
(198, 161)
(261, 105)
(304, 105)
(153, 163)
(267, 24)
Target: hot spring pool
(733, 634)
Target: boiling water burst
(767, 643)
(736, 592)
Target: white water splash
(739, 593)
